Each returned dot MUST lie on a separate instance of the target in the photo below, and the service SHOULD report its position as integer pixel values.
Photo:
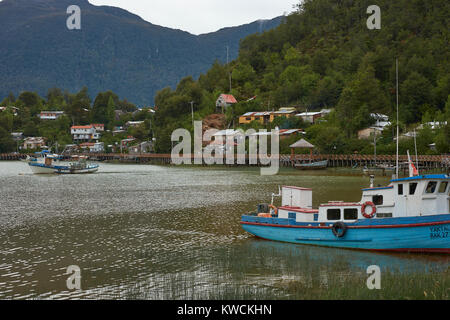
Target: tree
(359, 98)
(104, 107)
(78, 108)
(6, 142)
(415, 92)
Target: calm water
(151, 232)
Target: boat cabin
(406, 197)
(411, 197)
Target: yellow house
(266, 116)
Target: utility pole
(192, 112)
(229, 71)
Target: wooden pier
(425, 162)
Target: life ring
(275, 209)
(339, 229)
(363, 210)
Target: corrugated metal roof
(228, 98)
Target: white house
(433, 125)
(84, 133)
(50, 115)
(33, 143)
(96, 147)
(224, 101)
(381, 122)
(133, 124)
(311, 117)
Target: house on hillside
(17, 136)
(312, 117)
(265, 117)
(50, 115)
(381, 122)
(87, 133)
(143, 147)
(92, 147)
(13, 109)
(225, 101)
(34, 143)
(133, 124)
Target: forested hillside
(325, 56)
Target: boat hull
(76, 171)
(415, 234)
(312, 166)
(41, 169)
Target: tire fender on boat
(363, 210)
(339, 229)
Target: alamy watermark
(74, 20)
(374, 21)
(374, 280)
(73, 282)
(230, 147)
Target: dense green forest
(324, 56)
(78, 109)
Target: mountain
(114, 50)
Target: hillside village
(95, 138)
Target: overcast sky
(202, 16)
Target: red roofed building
(224, 101)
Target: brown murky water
(150, 232)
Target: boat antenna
(415, 146)
(396, 73)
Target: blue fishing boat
(47, 163)
(411, 214)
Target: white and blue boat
(47, 163)
(411, 215)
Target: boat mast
(396, 72)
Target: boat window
(377, 200)
(412, 188)
(400, 188)
(443, 186)
(350, 214)
(431, 187)
(384, 215)
(334, 214)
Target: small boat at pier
(312, 165)
(319, 165)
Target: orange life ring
(275, 209)
(363, 210)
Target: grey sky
(202, 16)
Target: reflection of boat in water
(47, 163)
(411, 214)
(312, 166)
